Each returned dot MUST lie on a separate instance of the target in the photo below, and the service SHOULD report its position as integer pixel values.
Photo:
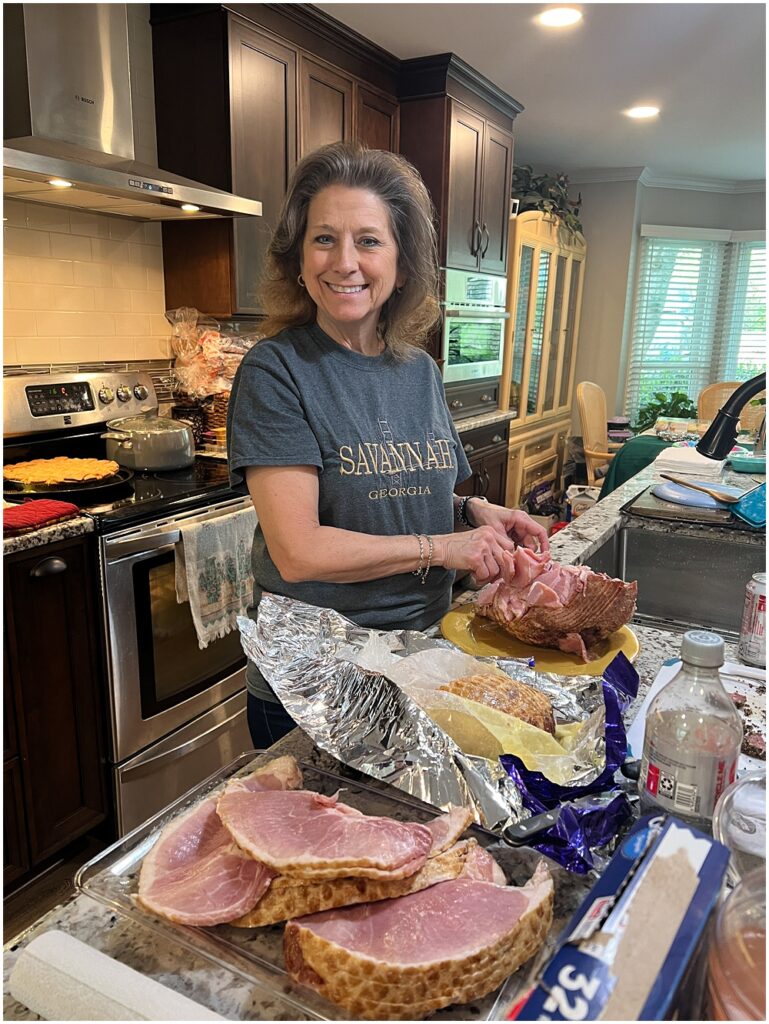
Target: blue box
(637, 936)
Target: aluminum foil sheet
(368, 722)
(363, 719)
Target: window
(699, 313)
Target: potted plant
(677, 406)
(549, 193)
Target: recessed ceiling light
(190, 208)
(641, 112)
(59, 183)
(557, 17)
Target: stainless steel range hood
(68, 118)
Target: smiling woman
(338, 424)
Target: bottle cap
(699, 647)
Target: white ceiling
(703, 64)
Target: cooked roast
(401, 959)
(497, 690)
(568, 607)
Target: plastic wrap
(207, 358)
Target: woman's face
(349, 258)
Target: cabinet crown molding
(422, 77)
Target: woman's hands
(509, 522)
(482, 552)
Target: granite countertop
(48, 534)
(216, 987)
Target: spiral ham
(568, 607)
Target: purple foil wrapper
(584, 824)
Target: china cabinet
(544, 296)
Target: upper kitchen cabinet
(242, 92)
(457, 129)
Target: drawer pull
(469, 448)
(48, 567)
(456, 404)
(497, 438)
(487, 398)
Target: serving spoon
(727, 499)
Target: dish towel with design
(213, 572)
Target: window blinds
(699, 315)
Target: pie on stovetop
(57, 472)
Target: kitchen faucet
(720, 436)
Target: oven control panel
(34, 403)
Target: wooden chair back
(711, 399)
(591, 403)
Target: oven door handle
(475, 313)
(144, 767)
(141, 545)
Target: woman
(338, 424)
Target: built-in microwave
(473, 325)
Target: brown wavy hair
(408, 315)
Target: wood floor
(23, 907)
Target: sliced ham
(480, 864)
(448, 827)
(312, 836)
(401, 959)
(568, 607)
(295, 897)
(195, 874)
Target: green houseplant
(677, 405)
(549, 193)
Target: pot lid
(147, 424)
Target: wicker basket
(216, 411)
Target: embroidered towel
(213, 572)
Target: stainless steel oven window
(473, 347)
(172, 667)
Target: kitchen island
(216, 987)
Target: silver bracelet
(429, 558)
(419, 569)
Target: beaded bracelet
(419, 569)
(423, 569)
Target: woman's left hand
(512, 522)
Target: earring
(300, 279)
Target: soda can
(752, 646)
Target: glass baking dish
(256, 954)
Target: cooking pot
(150, 442)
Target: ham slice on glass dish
(195, 874)
(568, 607)
(404, 958)
(316, 837)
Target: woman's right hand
(480, 551)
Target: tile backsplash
(81, 286)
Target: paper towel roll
(61, 978)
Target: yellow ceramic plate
(477, 635)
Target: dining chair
(712, 397)
(599, 451)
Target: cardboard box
(634, 947)
(580, 498)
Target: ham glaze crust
(568, 607)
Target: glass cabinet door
(555, 334)
(538, 329)
(569, 332)
(519, 327)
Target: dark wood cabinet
(456, 127)
(486, 451)
(55, 780)
(241, 93)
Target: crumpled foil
(367, 722)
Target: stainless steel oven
(178, 712)
(473, 326)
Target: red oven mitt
(31, 515)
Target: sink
(684, 579)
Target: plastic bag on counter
(207, 357)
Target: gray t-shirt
(381, 436)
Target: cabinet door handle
(48, 567)
(469, 448)
(487, 484)
(456, 404)
(477, 236)
(485, 231)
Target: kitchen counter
(219, 989)
(48, 534)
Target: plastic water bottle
(692, 737)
